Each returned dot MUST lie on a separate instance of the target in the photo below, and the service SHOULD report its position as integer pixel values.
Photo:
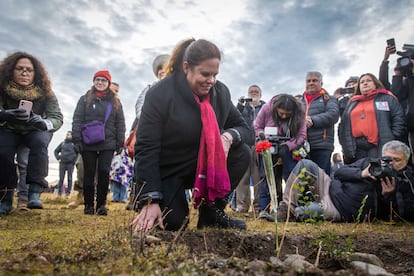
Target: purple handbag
(94, 131)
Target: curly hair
(41, 77)
(289, 103)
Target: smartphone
(391, 44)
(26, 105)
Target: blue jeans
(22, 158)
(322, 158)
(119, 192)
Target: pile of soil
(396, 252)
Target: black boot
(6, 202)
(214, 216)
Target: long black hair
(291, 104)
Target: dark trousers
(175, 201)
(38, 162)
(322, 158)
(96, 162)
(63, 169)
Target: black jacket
(114, 127)
(169, 133)
(66, 152)
(348, 189)
(401, 200)
(391, 126)
(324, 112)
(249, 114)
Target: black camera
(404, 62)
(246, 100)
(346, 90)
(382, 167)
(276, 142)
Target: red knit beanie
(103, 73)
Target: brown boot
(75, 204)
(21, 203)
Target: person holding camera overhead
(191, 136)
(403, 87)
(286, 113)
(249, 107)
(24, 83)
(98, 130)
(372, 117)
(384, 184)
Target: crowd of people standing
(191, 137)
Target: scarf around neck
(212, 179)
(370, 95)
(18, 92)
(101, 94)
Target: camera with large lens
(246, 100)
(382, 167)
(404, 62)
(275, 139)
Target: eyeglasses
(103, 80)
(22, 68)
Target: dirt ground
(396, 251)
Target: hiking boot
(265, 215)
(214, 216)
(312, 211)
(102, 211)
(21, 203)
(89, 210)
(75, 204)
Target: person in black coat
(97, 157)
(372, 117)
(66, 153)
(357, 192)
(191, 136)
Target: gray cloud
(269, 43)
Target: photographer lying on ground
(341, 198)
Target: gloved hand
(38, 122)
(13, 115)
(283, 150)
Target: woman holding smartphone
(25, 86)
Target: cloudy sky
(272, 43)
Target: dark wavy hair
(291, 104)
(41, 77)
(193, 51)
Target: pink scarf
(212, 179)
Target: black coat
(324, 112)
(66, 152)
(348, 189)
(114, 127)
(169, 132)
(391, 126)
